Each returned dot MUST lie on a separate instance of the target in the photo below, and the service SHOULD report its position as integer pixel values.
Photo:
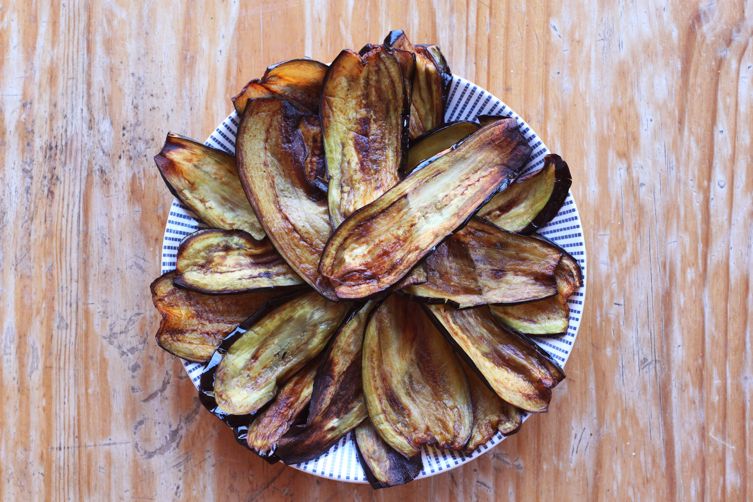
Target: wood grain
(650, 102)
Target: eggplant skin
(384, 467)
(515, 367)
(482, 264)
(275, 347)
(415, 389)
(298, 80)
(379, 244)
(437, 141)
(272, 154)
(365, 101)
(531, 203)
(194, 324)
(230, 261)
(205, 180)
(547, 317)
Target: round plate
(466, 101)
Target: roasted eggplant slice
(569, 275)
(382, 242)
(490, 413)
(230, 261)
(415, 388)
(365, 102)
(482, 264)
(276, 419)
(275, 347)
(205, 180)
(436, 55)
(297, 80)
(272, 153)
(530, 203)
(437, 141)
(520, 372)
(193, 324)
(427, 98)
(547, 317)
(384, 467)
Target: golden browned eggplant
(482, 264)
(530, 203)
(273, 348)
(383, 465)
(205, 180)
(437, 141)
(415, 388)
(374, 248)
(547, 317)
(490, 413)
(515, 367)
(569, 275)
(298, 80)
(193, 324)
(337, 404)
(276, 419)
(230, 261)
(365, 102)
(428, 96)
(272, 154)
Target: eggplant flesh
(482, 264)
(365, 101)
(437, 141)
(272, 157)
(384, 467)
(531, 203)
(298, 80)
(378, 245)
(569, 275)
(520, 372)
(274, 348)
(194, 324)
(230, 261)
(415, 389)
(206, 181)
(547, 317)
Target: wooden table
(651, 103)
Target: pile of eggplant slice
(366, 266)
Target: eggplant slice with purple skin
(436, 141)
(379, 244)
(482, 264)
(275, 347)
(365, 102)
(337, 403)
(384, 467)
(415, 389)
(547, 317)
(194, 324)
(274, 145)
(532, 202)
(230, 261)
(297, 80)
(206, 181)
(517, 369)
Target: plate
(466, 101)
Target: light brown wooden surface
(651, 103)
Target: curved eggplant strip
(427, 97)
(531, 203)
(194, 324)
(547, 317)
(365, 102)
(384, 467)
(298, 80)
(482, 264)
(274, 347)
(379, 244)
(490, 413)
(436, 141)
(230, 261)
(272, 155)
(569, 275)
(433, 51)
(520, 372)
(414, 386)
(206, 181)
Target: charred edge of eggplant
(294, 60)
(562, 182)
(488, 119)
(409, 467)
(435, 54)
(564, 254)
(393, 36)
